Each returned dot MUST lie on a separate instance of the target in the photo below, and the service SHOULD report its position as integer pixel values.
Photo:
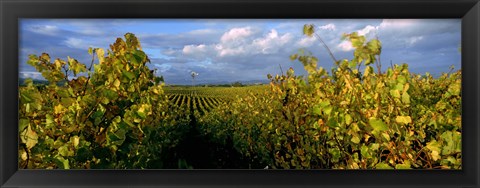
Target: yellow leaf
(403, 119)
(355, 139)
(116, 83)
(29, 137)
(76, 141)
(24, 156)
(58, 109)
(101, 54)
(435, 155)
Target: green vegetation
(120, 115)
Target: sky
(230, 50)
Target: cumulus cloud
(271, 42)
(345, 46)
(194, 49)
(240, 41)
(305, 42)
(367, 30)
(50, 30)
(329, 26)
(236, 34)
(76, 43)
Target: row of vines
(347, 118)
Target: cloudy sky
(226, 50)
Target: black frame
(12, 10)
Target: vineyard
(116, 114)
(203, 99)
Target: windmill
(193, 74)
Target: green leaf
(45, 57)
(378, 125)
(142, 115)
(116, 138)
(335, 152)
(355, 139)
(375, 46)
(395, 93)
(293, 57)
(309, 30)
(383, 165)
(22, 124)
(327, 110)
(452, 142)
(403, 166)
(364, 150)
(90, 50)
(128, 74)
(348, 119)
(26, 98)
(403, 119)
(435, 149)
(386, 136)
(317, 110)
(455, 89)
(406, 98)
(29, 137)
(332, 123)
(65, 151)
(62, 162)
(110, 94)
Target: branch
(325, 45)
(89, 71)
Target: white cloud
(329, 26)
(396, 23)
(271, 42)
(236, 42)
(366, 30)
(236, 34)
(413, 40)
(202, 32)
(201, 51)
(92, 32)
(50, 30)
(345, 46)
(194, 49)
(75, 43)
(223, 51)
(305, 42)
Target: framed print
(246, 94)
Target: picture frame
(13, 10)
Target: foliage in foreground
(347, 119)
(118, 116)
(114, 116)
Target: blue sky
(229, 50)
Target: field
(200, 100)
(118, 114)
